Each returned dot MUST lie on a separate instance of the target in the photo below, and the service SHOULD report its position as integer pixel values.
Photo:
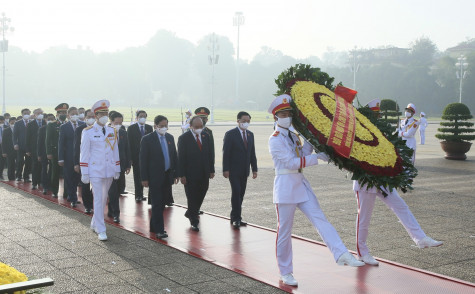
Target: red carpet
(251, 251)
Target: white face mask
(117, 127)
(74, 118)
(284, 122)
(90, 121)
(142, 120)
(50, 121)
(103, 120)
(162, 131)
(187, 115)
(81, 115)
(26, 117)
(408, 114)
(7, 120)
(39, 117)
(197, 131)
(244, 126)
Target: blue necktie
(142, 131)
(163, 142)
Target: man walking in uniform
(292, 190)
(86, 193)
(135, 132)
(408, 127)
(239, 154)
(100, 163)
(422, 127)
(31, 146)
(195, 168)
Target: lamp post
(461, 72)
(238, 20)
(354, 65)
(4, 27)
(213, 59)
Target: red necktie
(198, 141)
(244, 138)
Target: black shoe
(45, 191)
(201, 212)
(162, 235)
(169, 204)
(144, 198)
(236, 224)
(88, 211)
(73, 204)
(138, 200)
(18, 179)
(34, 187)
(116, 219)
(243, 223)
(27, 181)
(195, 228)
(54, 195)
(78, 202)
(109, 214)
(65, 196)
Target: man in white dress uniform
(422, 127)
(408, 127)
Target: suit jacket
(194, 163)
(32, 136)
(41, 142)
(236, 158)
(66, 142)
(211, 142)
(7, 142)
(134, 137)
(124, 152)
(19, 135)
(77, 143)
(152, 161)
(52, 136)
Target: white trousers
(100, 190)
(396, 204)
(422, 133)
(285, 218)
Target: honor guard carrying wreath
(292, 190)
(99, 162)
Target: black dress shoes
(18, 179)
(45, 191)
(195, 228)
(88, 211)
(73, 204)
(34, 187)
(116, 219)
(54, 195)
(201, 212)
(162, 235)
(144, 198)
(27, 180)
(236, 224)
(169, 204)
(243, 223)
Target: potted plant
(456, 131)
(390, 111)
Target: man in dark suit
(31, 145)
(239, 154)
(135, 132)
(66, 155)
(116, 119)
(2, 160)
(8, 152)
(41, 152)
(203, 113)
(86, 192)
(195, 167)
(158, 162)
(19, 143)
(51, 142)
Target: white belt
(284, 171)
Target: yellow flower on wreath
(382, 155)
(9, 275)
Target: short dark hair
(51, 115)
(7, 114)
(12, 118)
(139, 112)
(194, 118)
(2, 117)
(159, 118)
(71, 109)
(19, 117)
(24, 109)
(81, 108)
(242, 113)
(86, 112)
(115, 115)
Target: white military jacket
(423, 123)
(407, 130)
(290, 185)
(99, 156)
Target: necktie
(198, 141)
(74, 127)
(244, 138)
(163, 142)
(104, 130)
(39, 123)
(290, 136)
(142, 131)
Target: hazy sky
(299, 28)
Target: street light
(354, 65)
(461, 72)
(213, 59)
(238, 21)
(4, 27)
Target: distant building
(464, 48)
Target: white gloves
(323, 156)
(85, 179)
(116, 176)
